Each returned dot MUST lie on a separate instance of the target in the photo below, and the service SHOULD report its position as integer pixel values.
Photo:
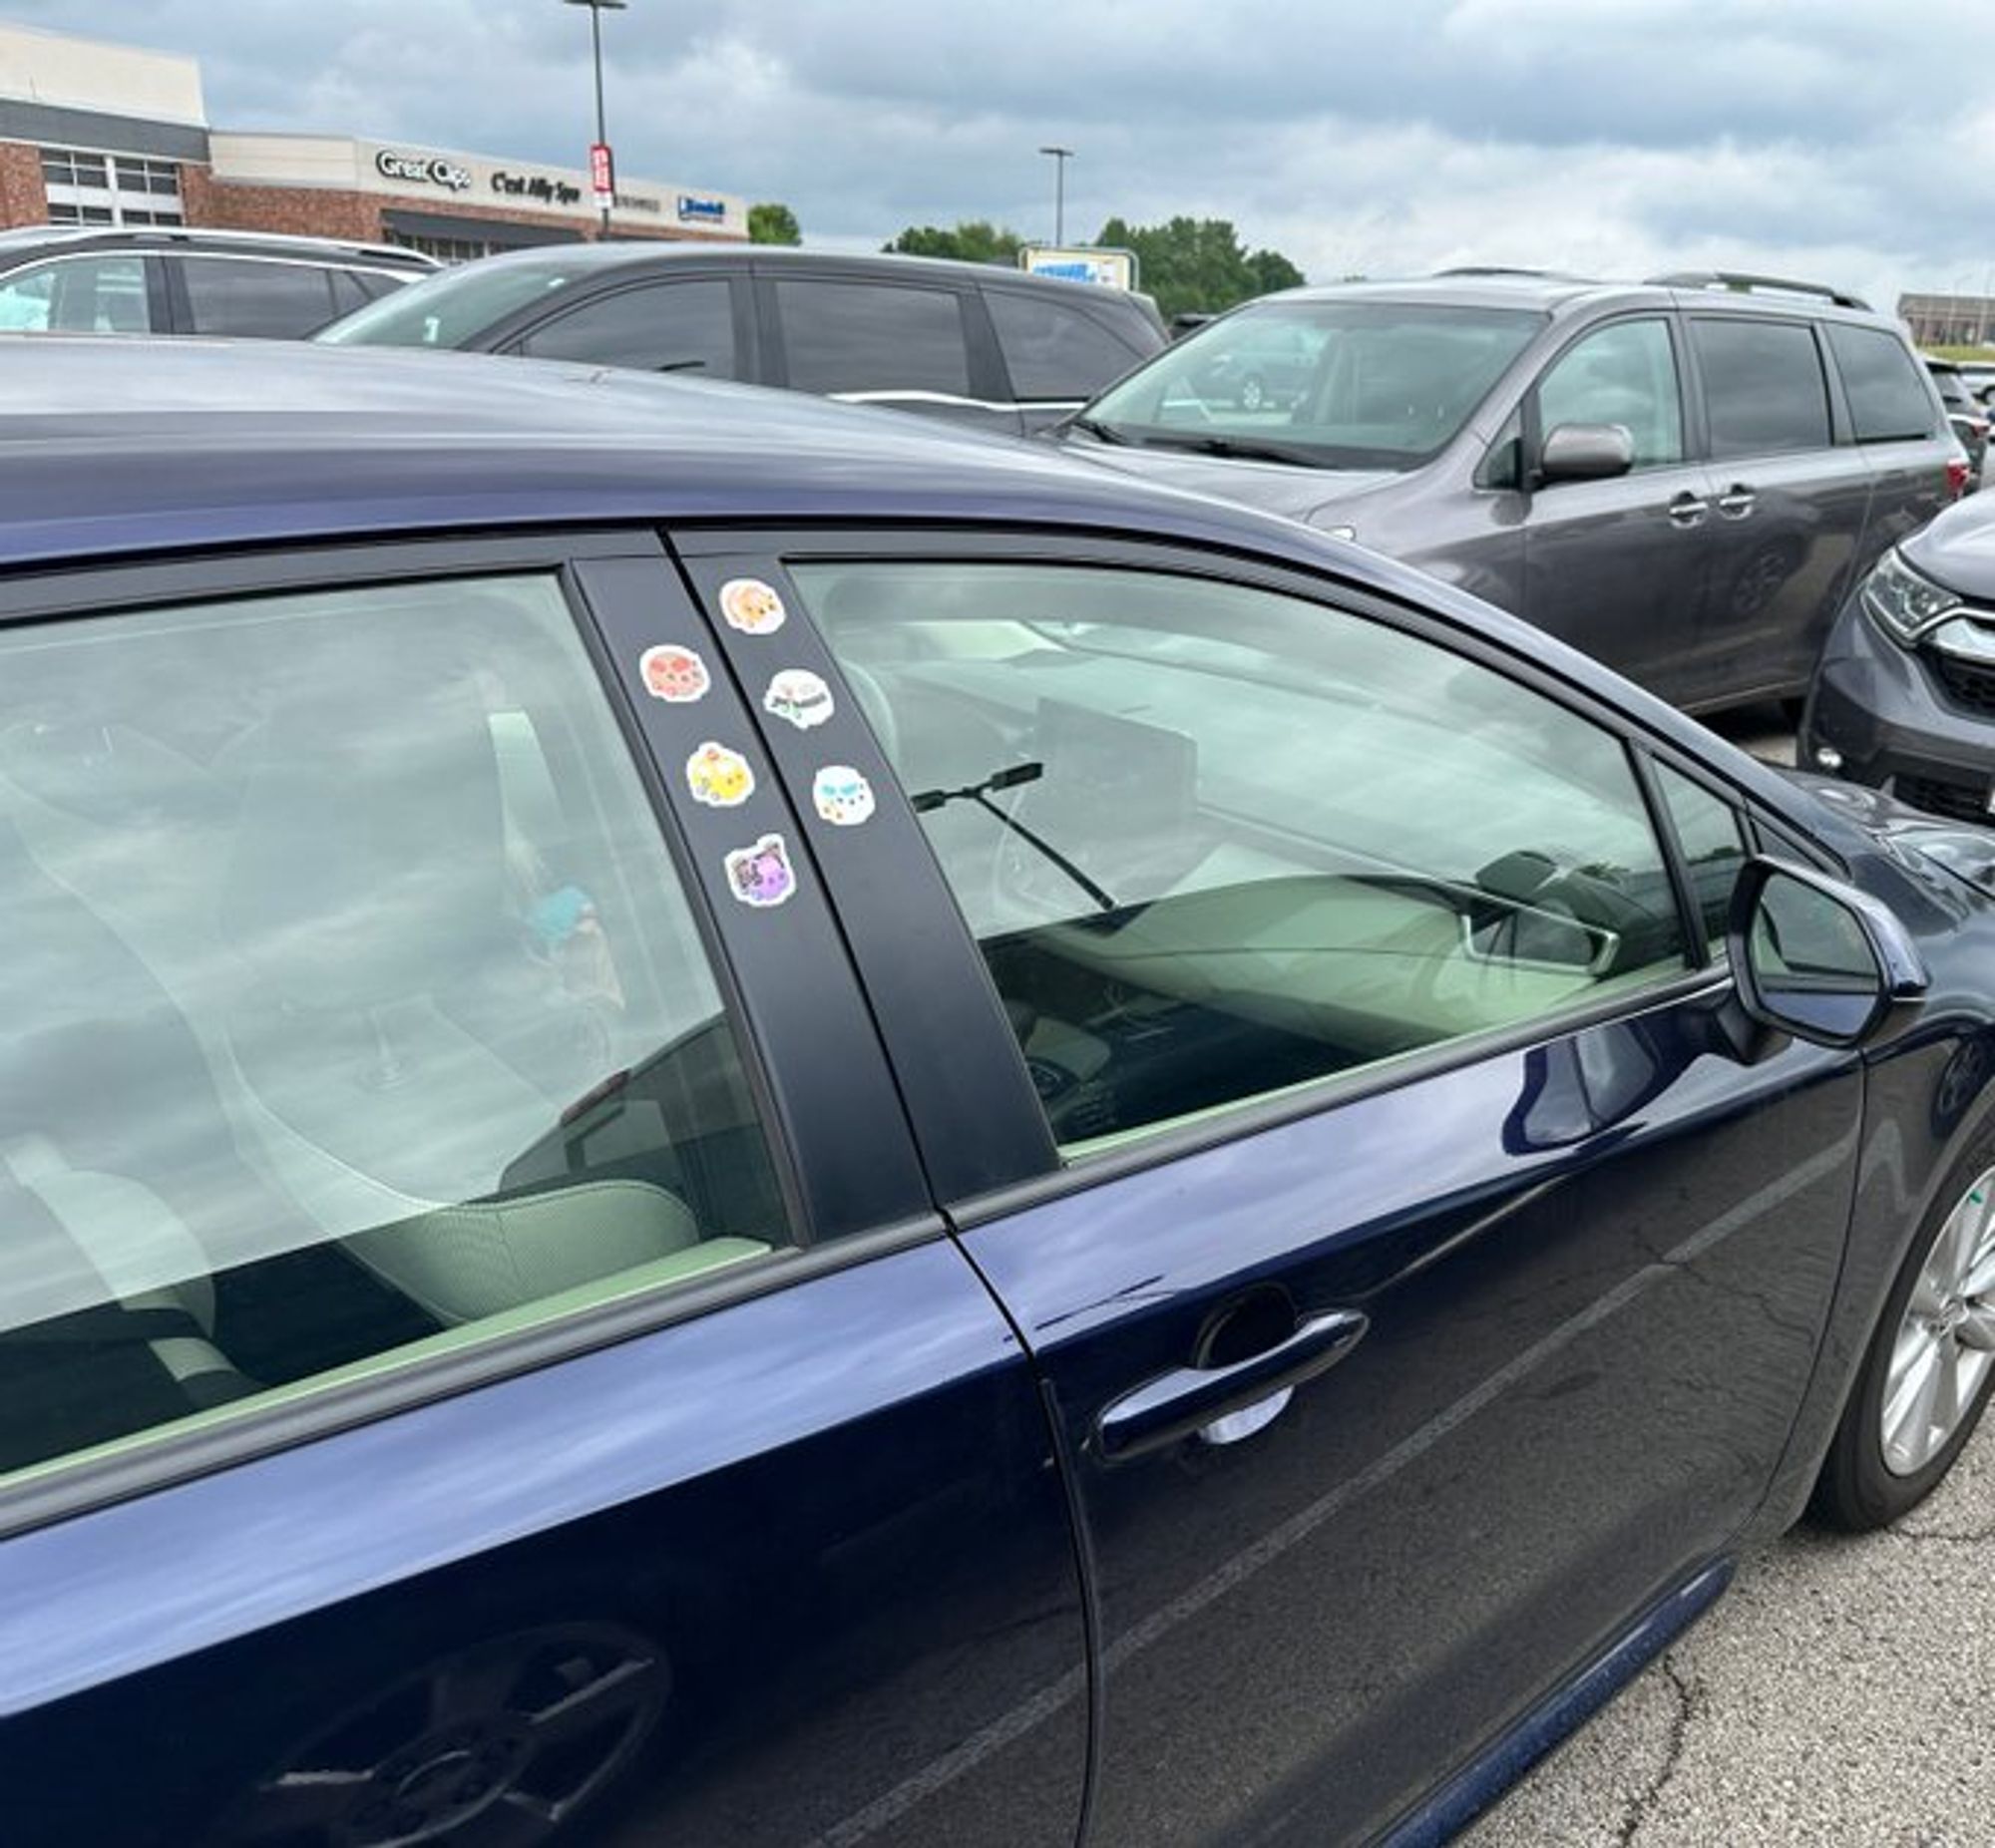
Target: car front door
(481, 1365)
(1424, 1290)
(1619, 567)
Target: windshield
(1326, 384)
(448, 309)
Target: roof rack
(1744, 284)
(1507, 270)
(184, 233)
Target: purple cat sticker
(761, 875)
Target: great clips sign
(422, 169)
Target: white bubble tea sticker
(751, 606)
(842, 796)
(718, 777)
(798, 696)
(761, 875)
(675, 673)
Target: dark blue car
(729, 1122)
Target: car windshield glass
(1336, 384)
(448, 309)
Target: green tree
(1198, 265)
(973, 240)
(773, 223)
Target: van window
(256, 299)
(663, 327)
(872, 337)
(1764, 390)
(1888, 400)
(1054, 350)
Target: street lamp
(602, 169)
(1061, 156)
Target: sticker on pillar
(675, 673)
(718, 777)
(798, 696)
(761, 875)
(751, 606)
(842, 796)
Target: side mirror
(1586, 453)
(1816, 957)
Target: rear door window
(863, 337)
(1889, 400)
(257, 299)
(1764, 390)
(683, 326)
(1057, 350)
(355, 1009)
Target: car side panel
(828, 1513)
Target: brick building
(96, 133)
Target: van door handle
(1686, 510)
(1737, 502)
(1188, 1399)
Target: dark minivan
(972, 342)
(1681, 477)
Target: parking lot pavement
(1763, 730)
(1836, 1694)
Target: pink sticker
(673, 673)
(751, 606)
(761, 875)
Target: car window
(1624, 374)
(870, 336)
(1953, 392)
(78, 295)
(254, 299)
(1764, 390)
(453, 306)
(1055, 350)
(1713, 844)
(1888, 399)
(1214, 842)
(1328, 384)
(354, 1009)
(663, 327)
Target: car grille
(1966, 683)
(1959, 802)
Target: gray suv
(1681, 477)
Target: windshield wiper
(1009, 778)
(1102, 433)
(1249, 449)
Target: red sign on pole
(603, 173)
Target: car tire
(1253, 392)
(1929, 1367)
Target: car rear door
(676, 1479)
(1898, 422)
(1792, 494)
(1418, 1320)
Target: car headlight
(1906, 604)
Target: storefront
(108, 134)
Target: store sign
(541, 188)
(1097, 264)
(426, 170)
(697, 210)
(602, 174)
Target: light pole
(1061, 156)
(602, 168)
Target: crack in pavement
(1689, 1703)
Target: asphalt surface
(1837, 1694)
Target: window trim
(152, 1460)
(994, 1064)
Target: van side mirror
(1586, 453)
(1816, 957)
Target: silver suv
(1681, 477)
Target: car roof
(121, 444)
(644, 253)
(37, 239)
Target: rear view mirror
(1586, 453)
(1816, 957)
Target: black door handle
(1177, 1404)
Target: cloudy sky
(1821, 137)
